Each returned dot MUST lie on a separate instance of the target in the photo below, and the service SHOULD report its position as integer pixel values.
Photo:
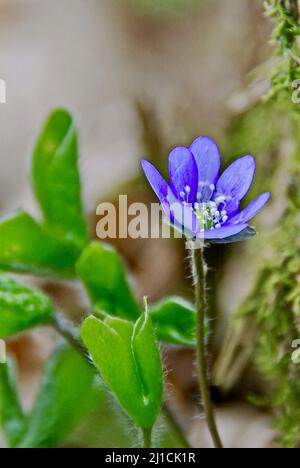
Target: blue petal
(251, 210)
(183, 174)
(183, 216)
(208, 160)
(158, 184)
(232, 206)
(223, 232)
(245, 234)
(235, 182)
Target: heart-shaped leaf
(21, 307)
(128, 360)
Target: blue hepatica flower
(200, 202)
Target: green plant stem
(199, 271)
(147, 438)
(67, 330)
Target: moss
(274, 302)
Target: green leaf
(128, 360)
(175, 321)
(27, 247)
(102, 271)
(148, 364)
(54, 246)
(56, 179)
(12, 419)
(21, 307)
(68, 392)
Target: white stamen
(182, 194)
(209, 215)
(212, 187)
(220, 199)
(187, 189)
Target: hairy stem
(199, 270)
(67, 330)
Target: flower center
(210, 215)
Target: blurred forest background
(144, 76)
